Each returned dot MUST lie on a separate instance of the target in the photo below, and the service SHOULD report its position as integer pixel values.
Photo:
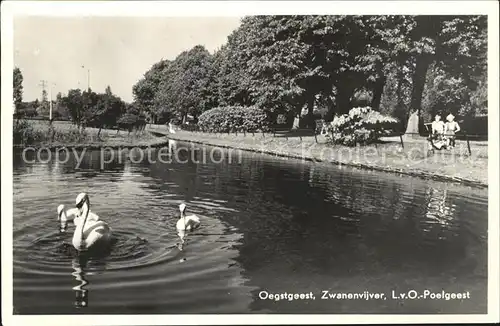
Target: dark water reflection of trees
(310, 222)
(304, 219)
(88, 162)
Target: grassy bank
(39, 134)
(448, 165)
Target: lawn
(66, 134)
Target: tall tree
(462, 56)
(73, 101)
(293, 61)
(386, 49)
(284, 74)
(184, 85)
(105, 110)
(230, 66)
(425, 37)
(17, 88)
(280, 62)
(60, 109)
(145, 90)
(286, 63)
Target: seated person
(451, 128)
(436, 138)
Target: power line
(43, 84)
(88, 77)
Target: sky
(116, 50)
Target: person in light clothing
(436, 137)
(451, 128)
(438, 126)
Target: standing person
(451, 128)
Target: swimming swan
(90, 230)
(186, 223)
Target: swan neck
(183, 218)
(86, 209)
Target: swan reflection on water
(81, 293)
(85, 265)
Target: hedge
(233, 119)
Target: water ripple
(266, 224)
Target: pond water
(269, 226)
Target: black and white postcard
(249, 162)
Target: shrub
(25, 112)
(128, 119)
(233, 118)
(25, 134)
(130, 122)
(40, 117)
(362, 125)
(69, 136)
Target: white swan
(90, 230)
(186, 223)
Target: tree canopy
(17, 88)
(284, 64)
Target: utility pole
(88, 78)
(50, 103)
(43, 84)
(50, 99)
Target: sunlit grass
(41, 133)
(387, 155)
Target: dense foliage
(84, 109)
(17, 88)
(101, 110)
(23, 133)
(146, 89)
(286, 65)
(171, 90)
(233, 119)
(361, 125)
(284, 68)
(130, 121)
(26, 110)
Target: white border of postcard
(10, 9)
